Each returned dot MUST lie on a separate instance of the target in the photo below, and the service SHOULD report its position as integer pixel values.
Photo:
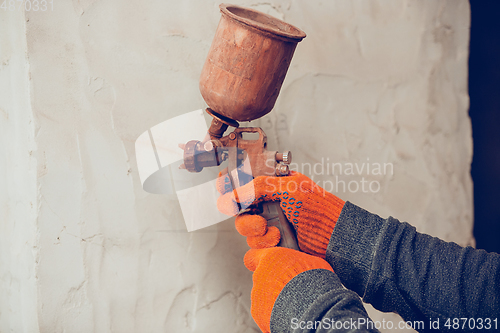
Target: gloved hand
(273, 268)
(312, 210)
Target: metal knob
(285, 157)
(282, 169)
(211, 145)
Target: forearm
(396, 269)
(316, 301)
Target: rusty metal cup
(247, 63)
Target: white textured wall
(18, 183)
(84, 248)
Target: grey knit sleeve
(316, 301)
(420, 277)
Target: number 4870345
(27, 5)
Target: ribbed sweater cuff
(353, 245)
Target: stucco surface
(85, 248)
(19, 253)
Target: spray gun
(240, 81)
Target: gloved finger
(252, 258)
(270, 239)
(227, 205)
(249, 225)
(272, 257)
(223, 182)
(262, 188)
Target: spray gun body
(240, 81)
(247, 159)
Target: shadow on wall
(484, 87)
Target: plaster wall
(85, 249)
(19, 232)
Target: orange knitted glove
(273, 268)
(254, 227)
(312, 210)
